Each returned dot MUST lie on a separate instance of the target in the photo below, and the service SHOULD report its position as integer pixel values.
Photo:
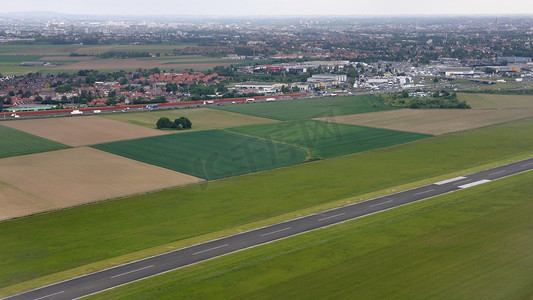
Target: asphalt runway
(148, 267)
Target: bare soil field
(48, 181)
(478, 101)
(201, 118)
(433, 121)
(83, 130)
(121, 64)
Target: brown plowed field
(121, 64)
(82, 130)
(47, 181)
(434, 121)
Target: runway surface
(137, 270)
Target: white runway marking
(473, 184)
(331, 217)
(529, 164)
(49, 295)
(494, 173)
(276, 231)
(450, 180)
(210, 249)
(381, 203)
(424, 192)
(131, 271)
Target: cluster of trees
(179, 123)
(159, 99)
(439, 99)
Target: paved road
(120, 275)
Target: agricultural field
(209, 154)
(325, 139)
(92, 233)
(494, 101)
(434, 121)
(85, 130)
(310, 108)
(48, 181)
(60, 61)
(412, 252)
(15, 142)
(132, 64)
(202, 118)
(161, 48)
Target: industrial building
(326, 80)
(258, 87)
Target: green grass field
(325, 139)
(310, 108)
(472, 244)
(495, 101)
(208, 154)
(202, 118)
(45, 244)
(14, 142)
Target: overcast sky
(271, 7)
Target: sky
(272, 7)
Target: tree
(163, 122)
(183, 123)
(405, 94)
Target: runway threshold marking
(381, 203)
(131, 271)
(337, 215)
(268, 233)
(195, 253)
(450, 180)
(49, 295)
(464, 186)
(494, 173)
(424, 192)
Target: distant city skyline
(273, 7)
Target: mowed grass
(326, 140)
(310, 108)
(201, 118)
(208, 154)
(472, 244)
(45, 244)
(492, 101)
(14, 142)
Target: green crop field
(45, 244)
(208, 154)
(18, 58)
(14, 142)
(495, 101)
(472, 244)
(310, 108)
(201, 118)
(326, 140)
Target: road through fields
(141, 269)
